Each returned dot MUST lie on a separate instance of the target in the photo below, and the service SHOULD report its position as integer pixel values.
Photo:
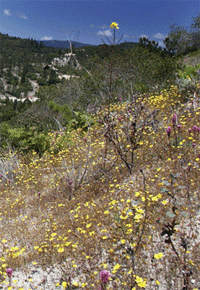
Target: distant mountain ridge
(63, 43)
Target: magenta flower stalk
(174, 123)
(179, 130)
(195, 128)
(174, 119)
(104, 277)
(9, 272)
(168, 131)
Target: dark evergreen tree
(195, 32)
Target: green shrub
(24, 140)
(7, 110)
(189, 71)
(31, 76)
(64, 110)
(81, 120)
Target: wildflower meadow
(115, 206)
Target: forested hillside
(42, 87)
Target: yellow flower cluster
(141, 282)
(165, 99)
(158, 256)
(114, 25)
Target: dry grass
(83, 210)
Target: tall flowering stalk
(114, 25)
(9, 272)
(168, 131)
(174, 123)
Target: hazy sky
(88, 21)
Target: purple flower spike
(70, 182)
(168, 131)
(104, 275)
(174, 119)
(195, 128)
(179, 127)
(9, 272)
(193, 145)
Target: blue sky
(88, 21)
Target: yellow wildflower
(116, 267)
(114, 25)
(141, 282)
(158, 256)
(64, 284)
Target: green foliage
(20, 107)
(48, 77)
(181, 41)
(24, 140)
(178, 40)
(82, 121)
(64, 110)
(26, 86)
(195, 32)
(116, 73)
(4, 129)
(152, 46)
(7, 110)
(47, 93)
(38, 116)
(53, 79)
(189, 71)
(1, 86)
(42, 81)
(31, 76)
(11, 79)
